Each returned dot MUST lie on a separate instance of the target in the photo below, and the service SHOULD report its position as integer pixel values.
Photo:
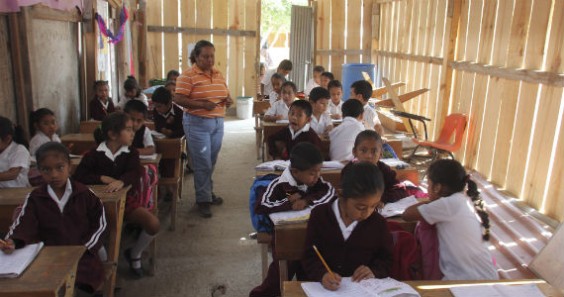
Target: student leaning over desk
(14, 157)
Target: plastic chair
(455, 124)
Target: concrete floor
(205, 253)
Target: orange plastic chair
(455, 124)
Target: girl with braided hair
(461, 222)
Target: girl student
(45, 128)
(459, 219)
(101, 105)
(14, 157)
(116, 164)
(132, 92)
(279, 110)
(349, 233)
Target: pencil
(3, 242)
(323, 260)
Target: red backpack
(407, 255)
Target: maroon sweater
(394, 190)
(172, 122)
(97, 110)
(82, 222)
(369, 244)
(285, 137)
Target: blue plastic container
(353, 72)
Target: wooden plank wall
(7, 98)
(234, 29)
(507, 75)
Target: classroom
(218, 97)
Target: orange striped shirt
(198, 85)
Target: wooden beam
(410, 57)
(201, 31)
(388, 103)
(342, 52)
(48, 13)
(142, 43)
(449, 41)
(378, 92)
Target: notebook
(290, 217)
(14, 264)
(397, 208)
(148, 157)
(498, 290)
(386, 287)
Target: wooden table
(53, 271)
(438, 288)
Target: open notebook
(397, 208)
(386, 287)
(14, 264)
(290, 217)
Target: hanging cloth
(123, 17)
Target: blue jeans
(204, 138)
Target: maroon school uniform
(138, 138)
(82, 222)
(369, 244)
(98, 112)
(285, 136)
(394, 189)
(172, 120)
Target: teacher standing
(203, 93)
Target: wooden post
(453, 18)
(142, 43)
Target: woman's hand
(208, 105)
(228, 101)
(7, 246)
(114, 186)
(331, 282)
(362, 272)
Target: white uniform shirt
(463, 255)
(335, 109)
(319, 125)
(272, 97)
(39, 139)
(346, 231)
(148, 138)
(278, 108)
(309, 86)
(266, 81)
(123, 100)
(370, 117)
(15, 155)
(342, 139)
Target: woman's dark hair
(352, 108)
(115, 122)
(367, 134)
(36, 117)
(304, 156)
(451, 174)
(171, 73)
(162, 95)
(51, 147)
(362, 179)
(362, 87)
(291, 84)
(334, 84)
(136, 106)
(303, 105)
(7, 128)
(198, 49)
(131, 84)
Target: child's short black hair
(161, 95)
(51, 147)
(367, 134)
(319, 68)
(328, 75)
(359, 180)
(36, 117)
(304, 156)
(303, 105)
(278, 76)
(136, 106)
(115, 122)
(291, 84)
(318, 93)
(352, 108)
(169, 83)
(334, 84)
(7, 128)
(363, 88)
(285, 65)
(172, 73)
(131, 84)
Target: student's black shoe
(204, 210)
(216, 200)
(137, 272)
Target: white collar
(295, 134)
(63, 201)
(287, 177)
(169, 112)
(104, 148)
(345, 230)
(105, 105)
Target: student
(463, 254)
(170, 85)
(45, 127)
(172, 75)
(116, 164)
(315, 80)
(279, 109)
(349, 233)
(335, 105)
(101, 105)
(167, 116)
(281, 143)
(343, 136)
(277, 80)
(284, 68)
(62, 212)
(321, 120)
(361, 90)
(326, 77)
(142, 140)
(368, 148)
(14, 157)
(132, 92)
(262, 73)
(299, 186)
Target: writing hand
(331, 282)
(299, 204)
(362, 272)
(7, 246)
(294, 197)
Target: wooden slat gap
(410, 57)
(201, 31)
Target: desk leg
(264, 259)
(283, 264)
(69, 282)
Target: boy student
(361, 90)
(326, 77)
(62, 212)
(283, 69)
(321, 120)
(335, 105)
(142, 140)
(167, 116)
(281, 143)
(315, 80)
(300, 186)
(277, 80)
(279, 109)
(343, 136)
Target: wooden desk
(437, 288)
(260, 106)
(75, 161)
(79, 143)
(53, 271)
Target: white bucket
(244, 107)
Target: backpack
(261, 223)
(406, 254)
(149, 180)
